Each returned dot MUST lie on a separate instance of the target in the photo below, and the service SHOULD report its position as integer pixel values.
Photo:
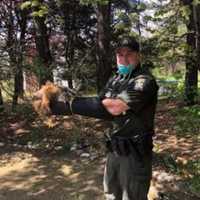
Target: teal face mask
(123, 69)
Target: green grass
(193, 168)
(190, 172)
(194, 184)
(188, 124)
(187, 121)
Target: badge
(139, 84)
(108, 94)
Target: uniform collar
(136, 69)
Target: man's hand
(115, 106)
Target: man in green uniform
(128, 168)
(129, 101)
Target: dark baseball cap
(129, 42)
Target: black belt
(124, 146)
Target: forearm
(86, 106)
(60, 108)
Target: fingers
(115, 106)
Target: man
(129, 164)
(129, 101)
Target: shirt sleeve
(106, 87)
(139, 93)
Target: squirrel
(48, 93)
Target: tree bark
(43, 49)
(44, 54)
(197, 27)
(69, 9)
(103, 57)
(13, 52)
(191, 75)
(18, 76)
(1, 101)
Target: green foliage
(26, 4)
(192, 168)
(30, 4)
(38, 68)
(7, 87)
(124, 21)
(141, 7)
(187, 121)
(172, 88)
(169, 33)
(194, 184)
(24, 110)
(163, 41)
(196, 2)
(40, 9)
(94, 2)
(42, 12)
(171, 84)
(185, 12)
(170, 163)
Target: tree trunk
(70, 19)
(18, 77)
(191, 75)
(1, 101)
(197, 22)
(18, 85)
(12, 46)
(42, 46)
(103, 57)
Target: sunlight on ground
(28, 177)
(14, 175)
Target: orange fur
(48, 93)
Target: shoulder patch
(140, 84)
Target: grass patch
(187, 121)
(194, 184)
(190, 172)
(193, 169)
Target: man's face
(126, 56)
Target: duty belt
(137, 145)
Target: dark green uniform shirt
(139, 91)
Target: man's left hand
(115, 106)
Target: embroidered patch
(139, 84)
(108, 94)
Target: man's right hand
(115, 106)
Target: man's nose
(123, 61)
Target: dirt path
(31, 174)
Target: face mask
(124, 70)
